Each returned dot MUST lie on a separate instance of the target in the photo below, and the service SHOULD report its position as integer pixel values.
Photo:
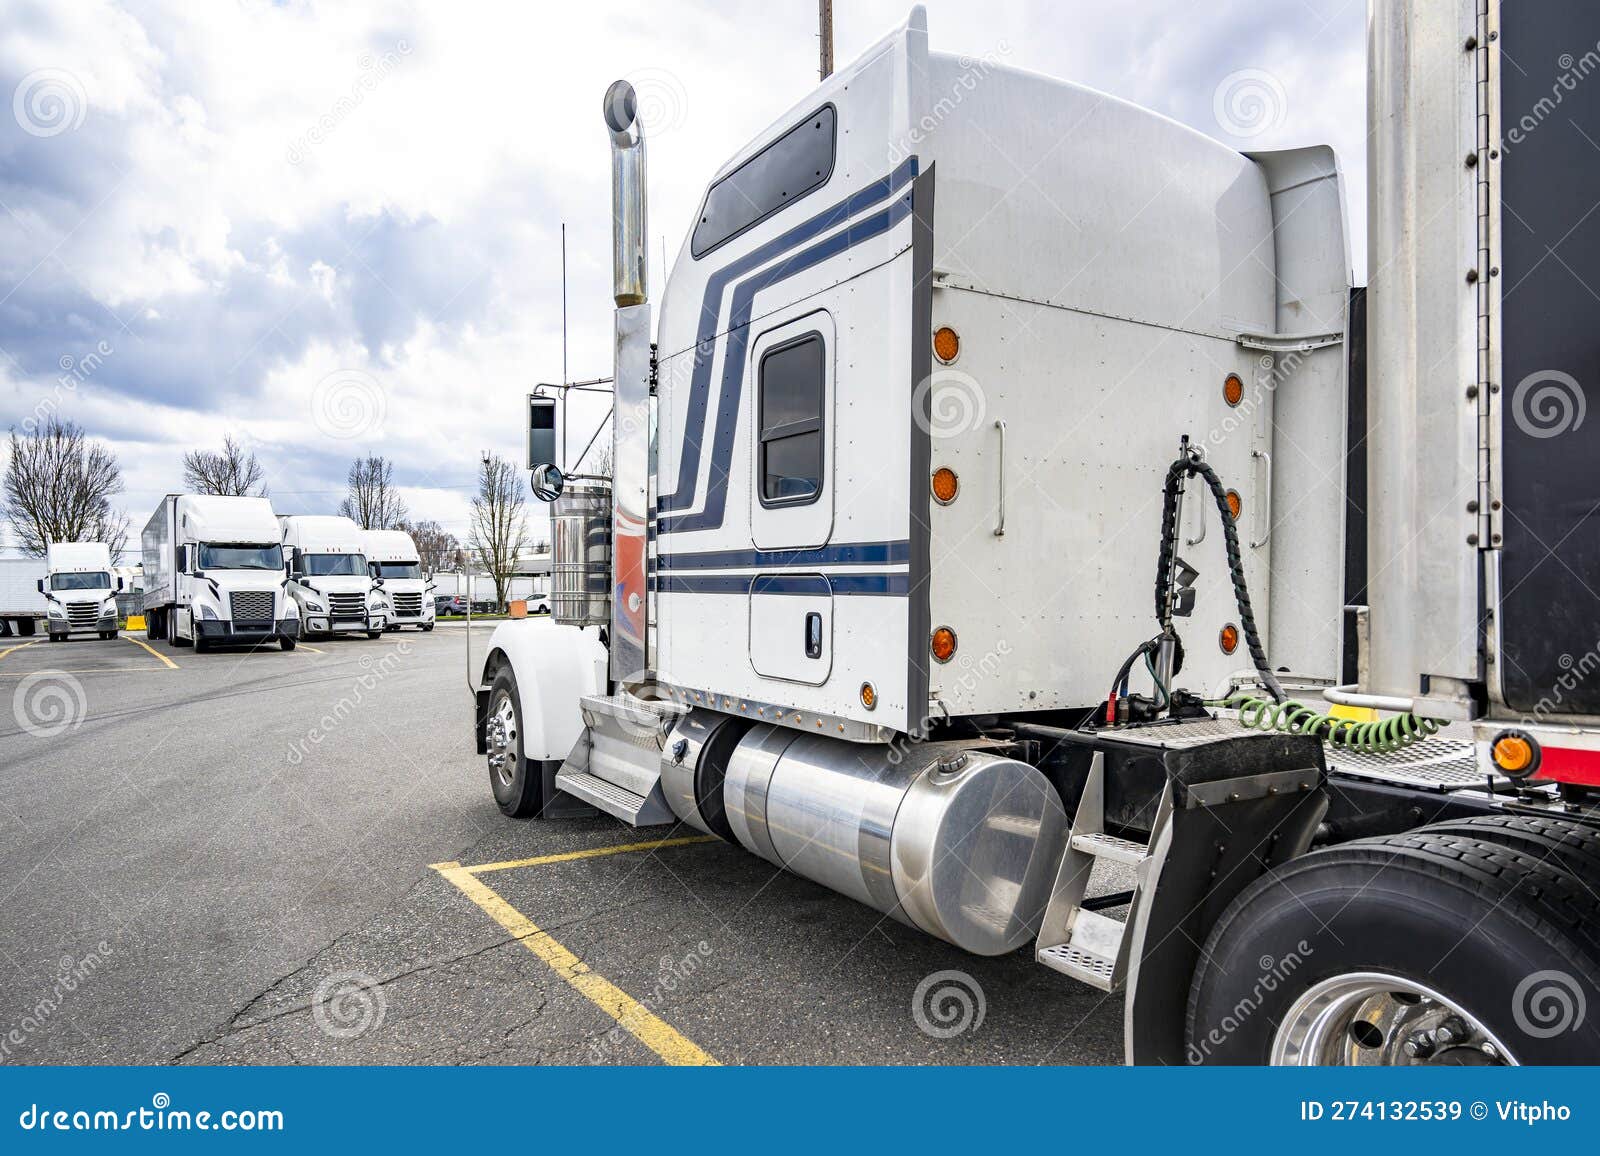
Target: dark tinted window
(780, 174)
(792, 387)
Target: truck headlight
(110, 607)
(207, 613)
(56, 612)
(314, 604)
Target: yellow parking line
(632, 1016)
(19, 646)
(82, 670)
(569, 856)
(140, 642)
(312, 649)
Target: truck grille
(408, 605)
(251, 605)
(347, 605)
(83, 613)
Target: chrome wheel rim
(1373, 1019)
(500, 739)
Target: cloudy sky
(333, 229)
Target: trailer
(22, 604)
(869, 590)
(214, 574)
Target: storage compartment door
(791, 627)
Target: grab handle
(1000, 529)
(1266, 502)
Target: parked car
(448, 604)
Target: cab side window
(791, 392)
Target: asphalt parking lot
(293, 857)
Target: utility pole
(825, 26)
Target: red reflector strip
(1567, 765)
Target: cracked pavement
(250, 837)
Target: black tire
(286, 643)
(58, 637)
(428, 629)
(517, 792)
(107, 635)
(26, 628)
(1512, 942)
(1554, 841)
(374, 634)
(201, 645)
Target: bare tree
(499, 522)
(58, 488)
(436, 546)
(232, 472)
(374, 503)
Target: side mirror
(122, 583)
(377, 581)
(40, 584)
(547, 483)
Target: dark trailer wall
(1550, 391)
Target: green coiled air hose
(1383, 737)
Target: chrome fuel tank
(961, 843)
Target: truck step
(1103, 846)
(1095, 970)
(635, 810)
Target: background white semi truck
(399, 587)
(806, 612)
(80, 590)
(328, 575)
(214, 575)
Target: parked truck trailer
(214, 574)
(868, 591)
(22, 604)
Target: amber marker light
(869, 696)
(1235, 504)
(1228, 638)
(943, 644)
(945, 485)
(1515, 754)
(946, 345)
(1233, 389)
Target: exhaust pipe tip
(621, 111)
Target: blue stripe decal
(853, 553)
(892, 585)
(865, 229)
(711, 310)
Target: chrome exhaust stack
(629, 266)
(632, 467)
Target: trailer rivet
(1472, 507)
(1472, 539)
(1472, 160)
(1472, 392)
(1496, 539)
(1494, 270)
(1472, 276)
(1495, 505)
(1472, 44)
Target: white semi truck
(954, 358)
(80, 590)
(399, 587)
(328, 576)
(213, 574)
